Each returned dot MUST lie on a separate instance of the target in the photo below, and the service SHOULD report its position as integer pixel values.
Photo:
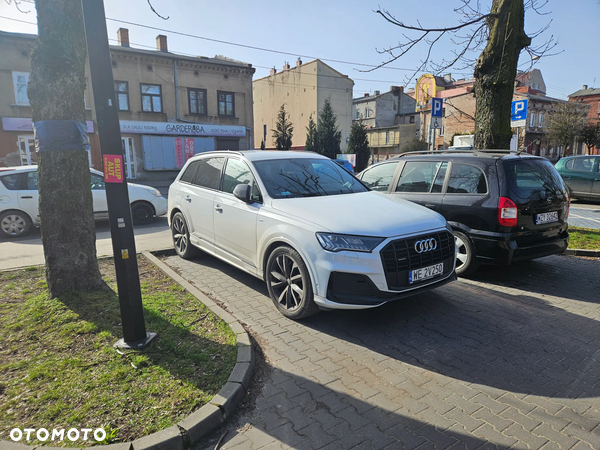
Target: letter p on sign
(436, 107)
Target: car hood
(365, 214)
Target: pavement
(507, 359)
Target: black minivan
(502, 206)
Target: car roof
(262, 155)
(466, 155)
(5, 170)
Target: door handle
(27, 196)
(188, 199)
(218, 208)
(430, 206)
(566, 178)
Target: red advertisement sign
(189, 148)
(113, 169)
(179, 153)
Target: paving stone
(518, 432)
(562, 440)
(468, 422)
(316, 435)
(377, 438)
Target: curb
(582, 252)
(190, 430)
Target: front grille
(400, 257)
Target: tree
(414, 146)
(590, 134)
(283, 130)
(358, 144)
(499, 36)
(262, 144)
(328, 135)
(311, 135)
(55, 91)
(564, 124)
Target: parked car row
(581, 175)
(19, 198)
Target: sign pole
(117, 195)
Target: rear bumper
(506, 249)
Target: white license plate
(425, 273)
(546, 217)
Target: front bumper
(160, 206)
(348, 281)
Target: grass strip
(584, 238)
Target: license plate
(425, 273)
(546, 217)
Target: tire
(289, 284)
(466, 262)
(181, 237)
(14, 224)
(142, 213)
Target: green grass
(584, 238)
(58, 367)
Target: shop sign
(25, 124)
(181, 129)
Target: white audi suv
(316, 235)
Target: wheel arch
(146, 202)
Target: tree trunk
(495, 73)
(55, 92)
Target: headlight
(153, 191)
(339, 242)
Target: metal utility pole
(117, 195)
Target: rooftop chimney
(585, 86)
(286, 66)
(448, 78)
(298, 62)
(123, 37)
(161, 43)
(377, 92)
(366, 94)
(273, 71)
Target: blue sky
(343, 30)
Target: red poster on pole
(179, 153)
(189, 148)
(113, 169)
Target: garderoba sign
(181, 129)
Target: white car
(19, 209)
(317, 236)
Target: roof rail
(479, 152)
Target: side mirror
(243, 191)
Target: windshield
(305, 177)
(533, 179)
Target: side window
(32, 184)
(238, 172)
(12, 182)
(583, 164)
(188, 175)
(569, 164)
(97, 182)
(466, 179)
(438, 183)
(417, 176)
(209, 172)
(379, 178)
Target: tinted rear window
(533, 178)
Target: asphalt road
(28, 251)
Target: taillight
(567, 207)
(507, 212)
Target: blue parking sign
(437, 105)
(518, 110)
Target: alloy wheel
(180, 238)
(287, 282)
(462, 255)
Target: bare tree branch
(154, 11)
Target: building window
(20, 80)
(122, 91)
(197, 101)
(541, 120)
(387, 137)
(367, 113)
(412, 119)
(532, 120)
(151, 98)
(357, 114)
(226, 103)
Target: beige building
(303, 89)
(170, 106)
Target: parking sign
(436, 107)
(518, 113)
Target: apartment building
(170, 106)
(303, 89)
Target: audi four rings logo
(426, 245)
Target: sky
(346, 34)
